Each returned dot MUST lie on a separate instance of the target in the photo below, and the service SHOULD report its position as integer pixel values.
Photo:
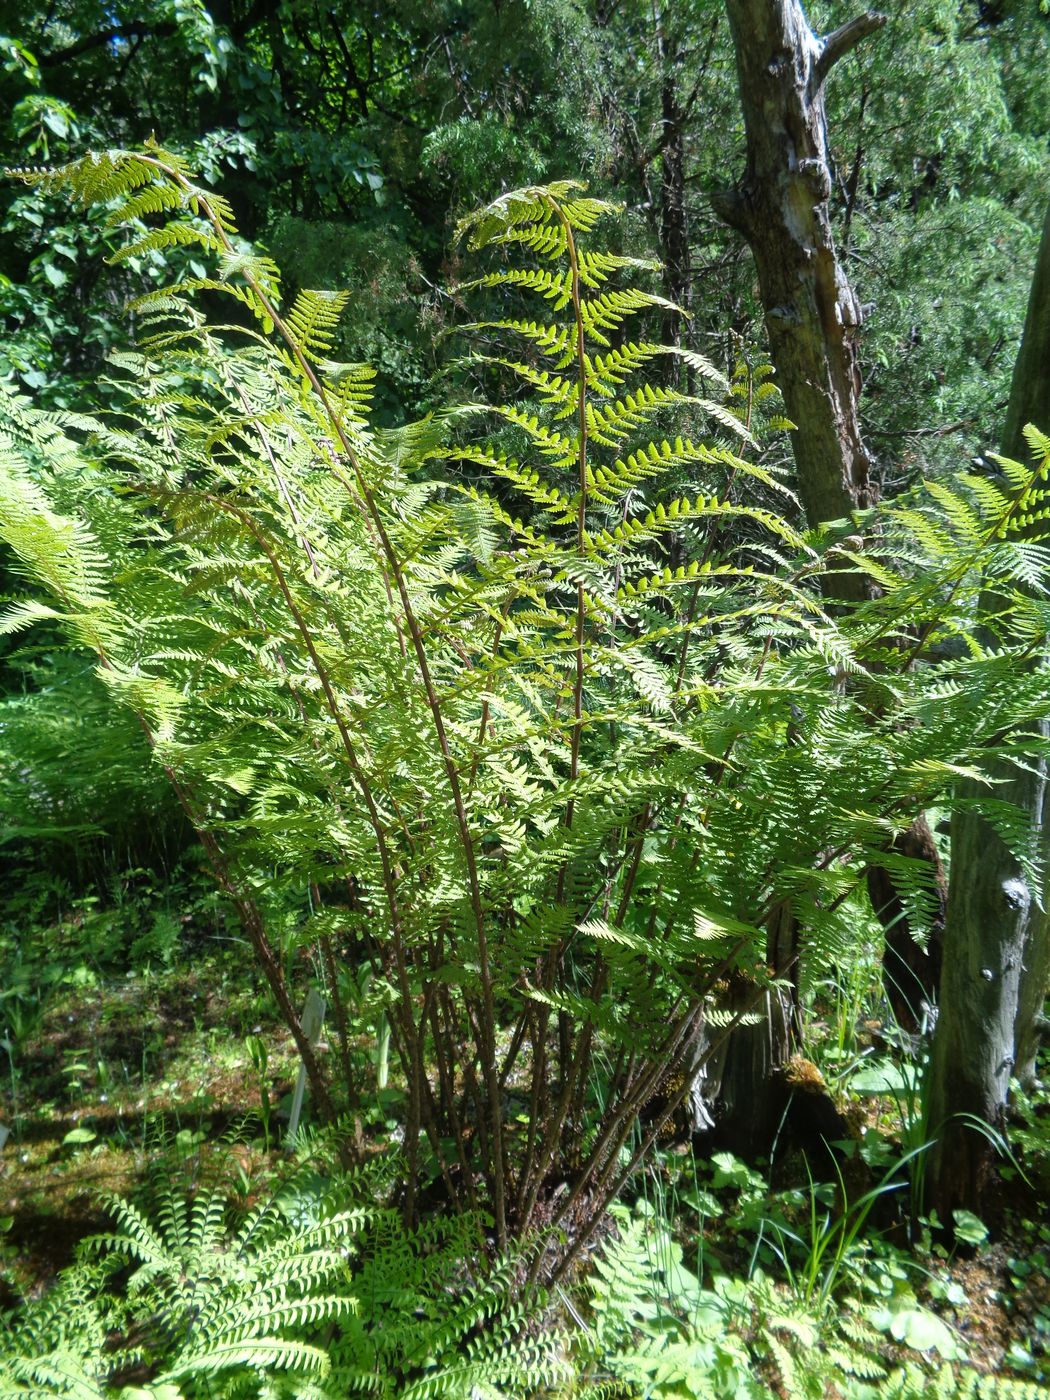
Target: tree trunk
(993, 919)
(1030, 389)
(674, 228)
(812, 317)
(1030, 403)
(997, 938)
(746, 1081)
(781, 208)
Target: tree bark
(993, 920)
(752, 1093)
(674, 227)
(781, 207)
(1030, 389)
(997, 939)
(1030, 403)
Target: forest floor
(182, 1062)
(116, 1072)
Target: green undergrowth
(171, 1078)
(313, 1287)
(125, 1014)
(525, 738)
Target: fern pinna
(536, 701)
(309, 1294)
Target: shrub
(551, 721)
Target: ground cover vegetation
(516, 718)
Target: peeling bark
(781, 207)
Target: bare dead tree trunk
(781, 208)
(997, 937)
(813, 318)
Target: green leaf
(969, 1228)
(55, 120)
(917, 1327)
(78, 1136)
(882, 1078)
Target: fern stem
(566, 1066)
(335, 710)
(637, 1091)
(488, 1045)
(338, 1005)
(608, 1188)
(488, 1042)
(601, 972)
(581, 511)
(444, 1054)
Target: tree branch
(164, 29)
(731, 207)
(842, 41)
(672, 128)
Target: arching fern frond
(508, 682)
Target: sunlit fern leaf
(534, 205)
(314, 318)
(172, 235)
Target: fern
(657, 1329)
(517, 690)
(310, 1293)
(652, 1327)
(199, 1305)
(911, 1382)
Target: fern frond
(314, 318)
(173, 235)
(262, 1354)
(609, 311)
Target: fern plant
(535, 703)
(200, 1309)
(748, 1340)
(912, 1382)
(648, 1326)
(658, 1329)
(311, 1293)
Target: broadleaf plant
(536, 706)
